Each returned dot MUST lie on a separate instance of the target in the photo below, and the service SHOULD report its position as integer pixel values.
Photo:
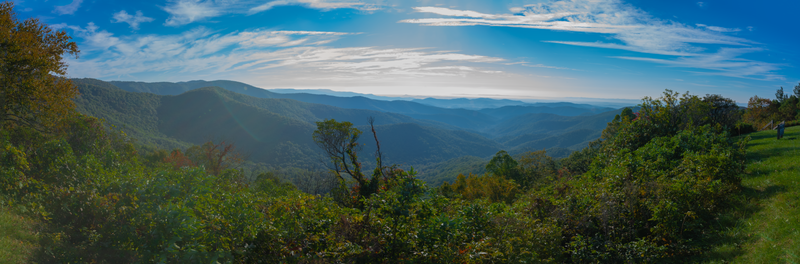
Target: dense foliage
(30, 54)
(648, 194)
(651, 189)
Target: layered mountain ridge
(276, 129)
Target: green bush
(742, 128)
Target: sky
(516, 49)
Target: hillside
(763, 226)
(562, 109)
(504, 123)
(272, 131)
(571, 139)
(468, 119)
(430, 145)
(467, 103)
(134, 113)
(207, 114)
(519, 127)
(462, 118)
(436, 174)
(277, 131)
(510, 129)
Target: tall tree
(723, 111)
(33, 92)
(780, 96)
(797, 90)
(504, 165)
(758, 112)
(339, 141)
(537, 165)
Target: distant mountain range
(275, 129)
(468, 103)
(462, 118)
(474, 103)
(341, 94)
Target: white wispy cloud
(132, 20)
(626, 47)
(725, 62)
(94, 38)
(545, 66)
(187, 11)
(317, 4)
(288, 32)
(201, 51)
(632, 28)
(68, 9)
(184, 12)
(528, 64)
(719, 29)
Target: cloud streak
(68, 9)
(202, 51)
(316, 4)
(726, 62)
(132, 20)
(631, 28)
(187, 11)
(184, 12)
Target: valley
(274, 129)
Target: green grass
(18, 236)
(764, 224)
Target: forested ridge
(476, 120)
(658, 185)
(209, 113)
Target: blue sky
(535, 49)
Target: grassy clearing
(765, 226)
(18, 236)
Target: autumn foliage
(33, 91)
(178, 159)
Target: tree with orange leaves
(178, 159)
(758, 111)
(33, 91)
(215, 157)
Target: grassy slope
(765, 226)
(18, 236)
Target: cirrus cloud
(132, 20)
(184, 12)
(202, 51)
(187, 11)
(632, 28)
(68, 9)
(316, 4)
